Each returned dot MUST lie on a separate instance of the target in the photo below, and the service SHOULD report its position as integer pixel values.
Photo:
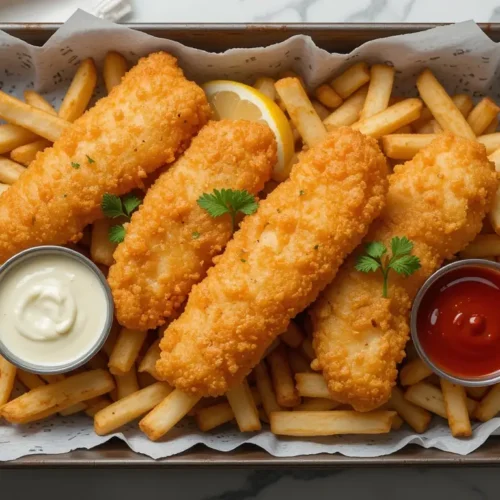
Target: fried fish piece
(438, 201)
(171, 241)
(276, 265)
(144, 123)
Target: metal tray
(219, 37)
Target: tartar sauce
(53, 309)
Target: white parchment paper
(462, 57)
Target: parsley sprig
(113, 206)
(401, 261)
(228, 201)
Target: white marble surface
(388, 483)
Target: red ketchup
(458, 322)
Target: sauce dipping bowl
(61, 288)
(437, 281)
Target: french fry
(298, 363)
(78, 96)
(33, 119)
(13, 136)
(308, 350)
(27, 153)
(214, 416)
(455, 401)
(311, 385)
(29, 380)
(52, 379)
(490, 141)
(126, 384)
(166, 414)
(265, 85)
(405, 146)
(126, 410)
(115, 66)
(464, 103)
(494, 215)
(489, 406)
(10, 171)
(101, 248)
(347, 113)
(484, 245)
(281, 374)
(328, 97)
(7, 380)
(37, 101)
(477, 393)
(414, 372)
(397, 422)
(482, 115)
(379, 90)
(97, 404)
(330, 423)
(67, 392)
(125, 351)
(265, 388)
(316, 404)
(322, 111)
(406, 129)
(351, 80)
(73, 409)
(244, 408)
(431, 127)
(300, 110)
(442, 106)
(292, 337)
(148, 362)
(293, 74)
(425, 116)
(492, 127)
(390, 119)
(415, 416)
(431, 398)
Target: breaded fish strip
(276, 265)
(438, 201)
(171, 241)
(145, 122)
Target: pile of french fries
(120, 384)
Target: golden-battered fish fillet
(145, 122)
(438, 201)
(171, 241)
(276, 265)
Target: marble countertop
(461, 483)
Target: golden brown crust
(145, 122)
(276, 265)
(437, 200)
(171, 241)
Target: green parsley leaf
(111, 206)
(116, 234)
(316, 247)
(366, 264)
(75, 165)
(195, 235)
(406, 265)
(89, 159)
(401, 261)
(401, 246)
(375, 249)
(130, 203)
(302, 192)
(230, 201)
(243, 260)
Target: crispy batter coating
(145, 122)
(171, 241)
(276, 265)
(438, 201)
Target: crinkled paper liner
(462, 57)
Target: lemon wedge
(233, 100)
